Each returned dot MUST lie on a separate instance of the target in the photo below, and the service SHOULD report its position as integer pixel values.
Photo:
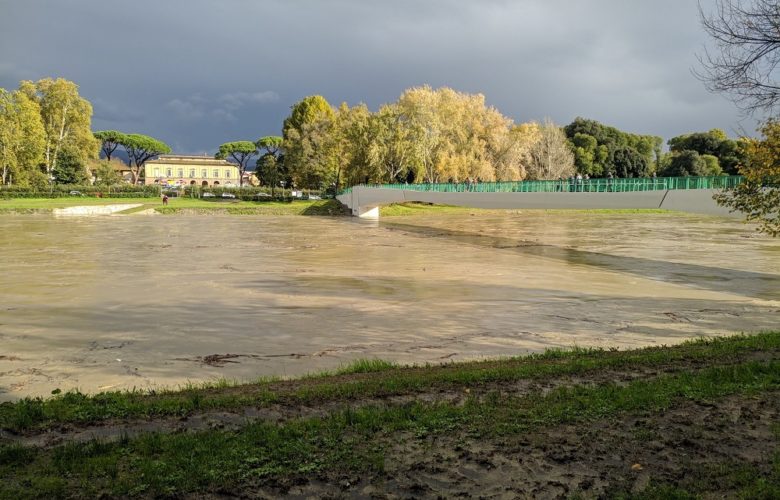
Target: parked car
(207, 195)
(228, 195)
(260, 196)
(314, 197)
(75, 193)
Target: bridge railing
(621, 185)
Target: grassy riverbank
(179, 206)
(682, 421)
(415, 208)
(194, 206)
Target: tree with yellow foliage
(758, 197)
(22, 139)
(66, 119)
(456, 136)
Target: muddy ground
(706, 445)
(687, 444)
(289, 408)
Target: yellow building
(182, 170)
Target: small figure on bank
(165, 199)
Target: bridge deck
(596, 194)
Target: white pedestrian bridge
(684, 194)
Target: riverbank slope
(699, 418)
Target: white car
(228, 195)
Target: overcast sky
(196, 73)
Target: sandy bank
(95, 209)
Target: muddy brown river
(106, 303)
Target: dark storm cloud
(196, 73)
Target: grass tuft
(365, 366)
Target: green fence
(572, 185)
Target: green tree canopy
(628, 162)
(588, 156)
(311, 115)
(683, 164)
(241, 152)
(267, 170)
(352, 148)
(271, 144)
(106, 175)
(109, 141)
(730, 153)
(598, 159)
(141, 148)
(309, 110)
(713, 165)
(70, 168)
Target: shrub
(64, 190)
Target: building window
(192, 173)
(204, 173)
(227, 174)
(157, 172)
(168, 172)
(181, 172)
(216, 173)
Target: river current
(105, 303)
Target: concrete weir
(365, 201)
(95, 209)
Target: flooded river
(140, 301)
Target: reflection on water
(122, 302)
(711, 275)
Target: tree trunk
(62, 136)
(48, 155)
(135, 173)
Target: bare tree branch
(746, 52)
